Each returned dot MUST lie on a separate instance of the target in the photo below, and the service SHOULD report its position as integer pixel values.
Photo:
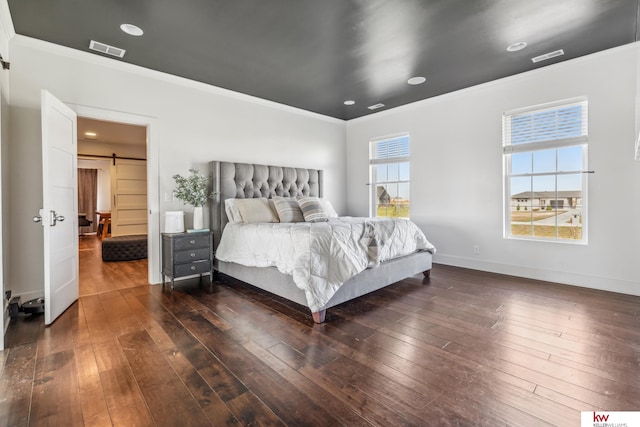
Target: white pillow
(233, 213)
(256, 210)
(328, 208)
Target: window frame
(509, 150)
(373, 162)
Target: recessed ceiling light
(90, 135)
(516, 46)
(349, 102)
(416, 80)
(132, 30)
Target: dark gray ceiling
(315, 54)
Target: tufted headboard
(245, 180)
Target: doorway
(153, 200)
(112, 199)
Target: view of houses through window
(389, 169)
(545, 154)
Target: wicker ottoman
(124, 248)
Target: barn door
(129, 197)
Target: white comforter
(321, 256)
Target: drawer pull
(193, 242)
(193, 254)
(193, 267)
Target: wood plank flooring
(462, 348)
(98, 277)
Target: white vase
(198, 219)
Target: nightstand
(187, 254)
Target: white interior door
(129, 201)
(59, 214)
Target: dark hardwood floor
(97, 277)
(461, 348)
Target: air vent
(375, 107)
(105, 48)
(548, 56)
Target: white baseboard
(575, 279)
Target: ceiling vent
(548, 56)
(105, 48)
(375, 107)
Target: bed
(254, 181)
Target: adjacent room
(112, 202)
(320, 213)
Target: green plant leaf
(193, 189)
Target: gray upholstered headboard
(245, 180)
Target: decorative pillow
(233, 213)
(256, 210)
(328, 208)
(288, 209)
(312, 209)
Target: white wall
(456, 172)
(196, 124)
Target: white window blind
(530, 129)
(390, 150)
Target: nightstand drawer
(200, 240)
(181, 257)
(192, 268)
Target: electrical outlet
(476, 249)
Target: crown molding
(482, 86)
(95, 59)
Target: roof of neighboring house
(547, 194)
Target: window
(389, 169)
(545, 154)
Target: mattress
(321, 256)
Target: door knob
(55, 218)
(37, 218)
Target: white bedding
(321, 256)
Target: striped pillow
(312, 209)
(288, 209)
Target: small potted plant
(194, 190)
